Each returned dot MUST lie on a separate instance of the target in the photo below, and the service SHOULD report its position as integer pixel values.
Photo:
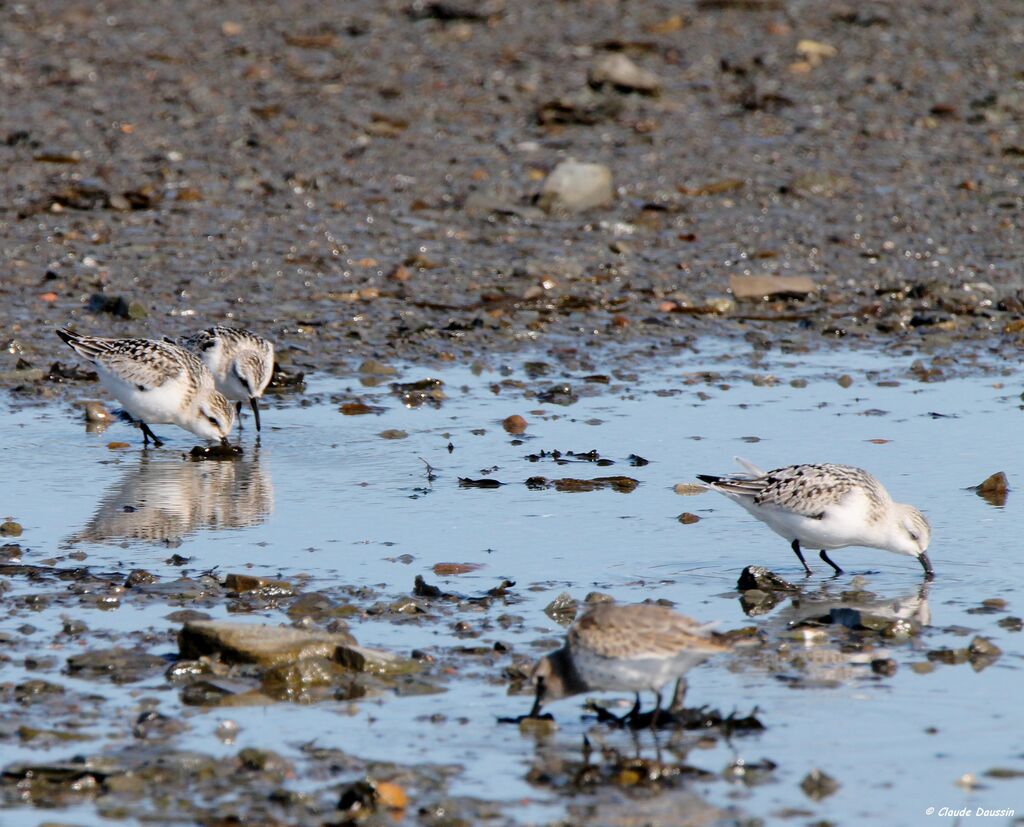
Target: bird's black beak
(254, 402)
(929, 573)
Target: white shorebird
(157, 383)
(828, 507)
(623, 648)
(241, 362)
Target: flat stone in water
(256, 642)
(374, 661)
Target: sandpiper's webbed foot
(828, 560)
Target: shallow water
(325, 497)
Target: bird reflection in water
(164, 500)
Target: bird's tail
(86, 346)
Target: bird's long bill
(254, 402)
(929, 573)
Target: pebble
(762, 287)
(514, 424)
(574, 186)
(9, 528)
(623, 75)
(818, 785)
(96, 411)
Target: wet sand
(362, 179)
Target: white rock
(573, 187)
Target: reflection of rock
(165, 500)
(803, 633)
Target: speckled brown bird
(628, 647)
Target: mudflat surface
(362, 177)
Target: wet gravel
(365, 179)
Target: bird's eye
(913, 536)
(213, 421)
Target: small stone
(9, 528)
(884, 666)
(138, 577)
(818, 785)
(561, 394)
(573, 187)
(686, 518)
(243, 583)
(227, 731)
(763, 287)
(562, 609)
(371, 367)
(1011, 624)
(844, 381)
(623, 75)
(689, 489)
(374, 661)
(758, 577)
(514, 424)
(393, 433)
(983, 647)
(96, 412)
(994, 489)
(391, 795)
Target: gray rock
(758, 577)
(256, 642)
(374, 661)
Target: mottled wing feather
(145, 363)
(200, 341)
(802, 489)
(642, 630)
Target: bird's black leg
(800, 554)
(538, 700)
(828, 560)
(238, 414)
(147, 435)
(657, 710)
(678, 696)
(634, 712)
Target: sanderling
(827, 507)
(158, 383)
(624, 648)
(241, 363)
